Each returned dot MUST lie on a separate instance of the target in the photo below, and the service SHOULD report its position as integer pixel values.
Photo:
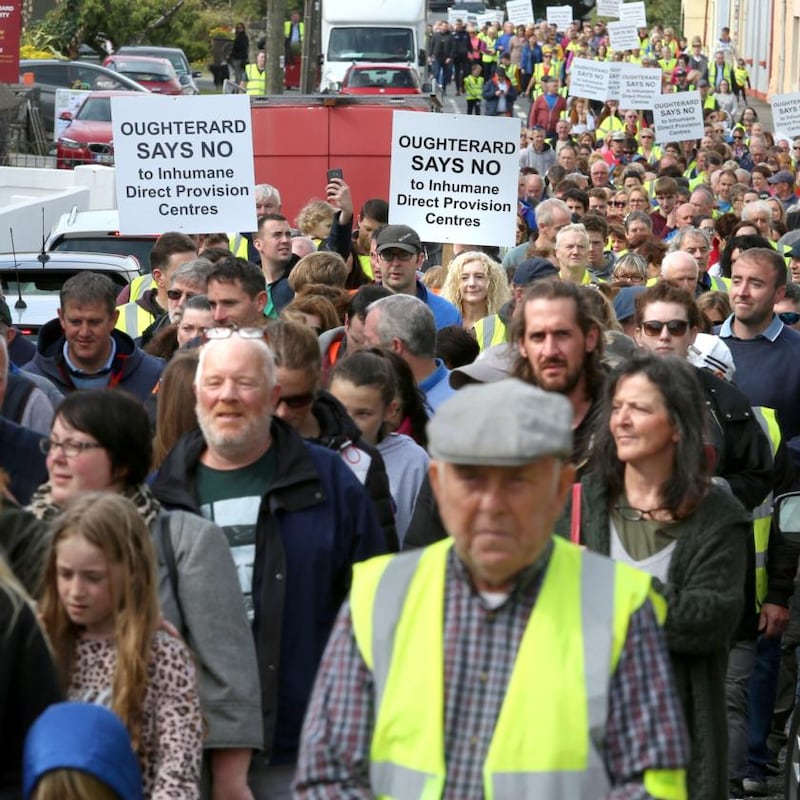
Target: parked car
(98, 232)
(50, 74)
(157, 74)
(25, 277)
(176, 57)
(88, 137)
(368, 78)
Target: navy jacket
(22, 459)
(314, 522)
(133, 370)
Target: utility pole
(308, 68)
(276, 14)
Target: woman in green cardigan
(648, 500)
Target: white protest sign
(786, 113)
(589, 79)
(639, 87)
(608, 8)
(499, 16)
(614, 80)
(560, 16)
(519, 12)
(66, 100)
(484, 19)
(454, 177)
(678, 117)
(623, 36)
(633, 14)
(184, 163)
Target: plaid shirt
(645, 728)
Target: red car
(156, 74)
(87, 139)
(381, 79)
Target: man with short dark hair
(273, 240)
(666, 194)
(82, 349)
(400, 252)
(374, 216)
(237, 293)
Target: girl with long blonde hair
(476, 285)
(100, 609)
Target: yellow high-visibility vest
(554, 708)
(762, 514)
(133, 319)
(490, 331)
(256, 80)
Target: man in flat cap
(500, 662)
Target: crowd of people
(208, 477)
(534, 61)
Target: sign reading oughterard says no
(454, 177)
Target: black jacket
(314, 522)
(744, 454)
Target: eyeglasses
(618, 203)
(296, 401)
(69, 448)
(242, 333)
(396, 255)
(177, 294)
(715, 322)
(631, 277)
(789, 317)
(796, 147)
(632, 514)
(675, 327)
(738, 138)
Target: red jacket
(542, 116)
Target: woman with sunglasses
(618, 204)
(649, 501)
(101, 441)
(647, 146)
(320, 418)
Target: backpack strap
(166, 554)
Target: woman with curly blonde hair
(476, 285)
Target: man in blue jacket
(296, 520)
(83, 350)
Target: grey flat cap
(507, 423)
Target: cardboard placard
(184, 163)
(454, 177)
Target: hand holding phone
(335, 173)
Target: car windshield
(143, 70)
(95, 109)
(388, 78)
(116, 245)
(371, 44)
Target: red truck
(297, 139)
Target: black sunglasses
(175, 294)
(675, 327)
(296, 401)
(789, 317)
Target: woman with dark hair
(737, 244)
(648, 500)
(101, 441)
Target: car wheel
(792, 769)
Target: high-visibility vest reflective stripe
(133, 319)
(762, 515)
(256, 80)
(139, 286)
(238, 245)
(720, 284)
(397, 606)
(490, 331)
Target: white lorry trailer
(370, 30)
